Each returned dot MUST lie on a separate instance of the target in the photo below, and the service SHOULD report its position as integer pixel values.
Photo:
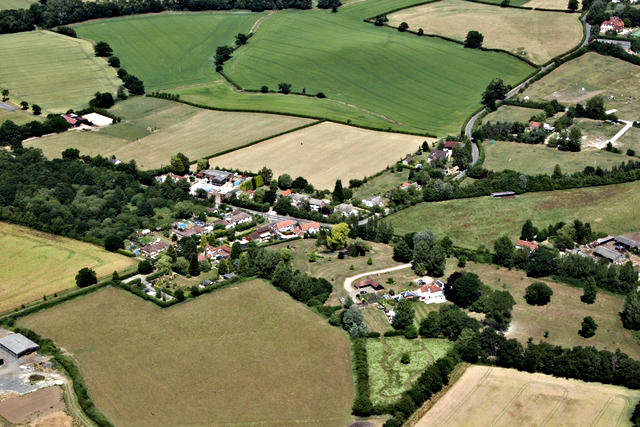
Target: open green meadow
(35, 264)
(247, 355)
(534, 159)
(15, 4)
(590, 75)
(54, 71)
(472, 222)
(153, 130)
(509, 113)
(548, 4)
(388, 376)
(19, 117)
(562, 317)
(436, 83)
(169, 50)
(630, 141)
(535, 35)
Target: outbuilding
(18, 345)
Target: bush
(411, 332)
(405, 359)
(589, 327)
(86, 277)
(538, 293)
(145, 267)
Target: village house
(432, 293)
(448, 145)
(407, 160)
(284, 228)
(286, 193)
(373, 201)
(262, 234)
(154, 249)
(439, 155)
(534, 125)
(315, 204)
(614, 23)
(296, 198)
(346, 209)
(369, 283)
(234, 219)
(532, 246)
(216, 177)
(196, 230)
(173, 176)
(218, 252)
(309, 227)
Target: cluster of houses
(289, 228)
(614, 249)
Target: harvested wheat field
(535, 35)
(324, 153)
(486, 396)
(41, 407)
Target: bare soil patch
(34, 406)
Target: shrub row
(362, 405)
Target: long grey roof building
(18, 345)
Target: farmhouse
(611, 255)
(439, 155)
(18, 345)
(346, 209)
(373, 201)
(217, 177)
(614, 23)
(532, 246)
(369, 283)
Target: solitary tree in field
(538, 293)
(103, 49)
(590, 291)
(403, 27)
(420, 32)
(5, 94)
(573, 5)
(474, 39)
(284, 88)
(86, 277)
(24, 105)
(589, 327)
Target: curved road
(349, 280)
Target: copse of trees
(495, 91)
(474, 39)
(538, 293)
(86, 277)
(12, 134)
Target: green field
(15, 4)
(153, 130)
(509, 113)
(472, 222)
(169, 50)
(35, 264)
(387, 376)
(630, 140)
(562, 317)
(618, 81)
(534, 159)
(19, 117)
(54, 71)
(244, 355)
(436, 83)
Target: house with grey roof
(373, 201)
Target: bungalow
(431, 294)
(310, 227)
(532, 246)
(614, 23)
(217, 177)
(373, 201)
(284, 227)
(346, 209)
(439, 155)
(369, 283)
(448, 145)
(152, 250)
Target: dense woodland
(53, 13)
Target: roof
(214, 173)
(526, 244)
(286, 193)
(432, 288)
(451, 144)
(607, 253)
(284, 224)
(18, 343)
(627, 242)
(438, 155)
(155, 247)
(344, 207)
(316, 202)
(69, 119)
(98, 119)
(309, 225)
(374, 199)
(368, 282)
(614, 21)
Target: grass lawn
(272, 362)
(509, 113)
(549, 4)
(506, 397)
(153, 130)
(534, 159)
(169, 50)
(336, 270)
(535, 35)
(562, 317)
(597, 75)
(472, 222)
(381, 183)
(35, 264)
(324, 153)
(597, 132)
(54, 71)
(630, 140)
(436, 84)
(15, 4)
(19, 117)
(388, 376)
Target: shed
(18, 345)
(217, 177)
(626, 242)
(610, 254)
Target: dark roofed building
(18, 345)
(217, 177)
(626, 242)
(440, 155)
(448, 145)
(610, 254)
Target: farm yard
(535, 35)
(388, 376)
(471, 222)
(506, 397)
(54, 71)
(35, 264)
(324, 153)
(535, 159)
(155, 129)
(169, 50)
(618, 81)
(136, 355)
(561, 317)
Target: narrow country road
(349, 280)
(627, 126)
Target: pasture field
(54, 71)
(534, 159)
(381, 183)
(15, 4)
(19, 117)
(535, 35)
(324, 153)
(35, 264)
(618, 81)
(509, 113)
(549, 4)
(155, 129)
(169, 50)
(272, 362)
(630, 140)
(436, 83)
(562, 317)
(472, 222)
(387, 376)
(335, 270)
(506, 397)
(597, 132)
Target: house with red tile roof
(310, 227)
(614, 23)
(534, 125)
(448, 145)
(286, 193)
(532, 246)
(369, 283)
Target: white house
(373, 201)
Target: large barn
(18, 345)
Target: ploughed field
(247, 354)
